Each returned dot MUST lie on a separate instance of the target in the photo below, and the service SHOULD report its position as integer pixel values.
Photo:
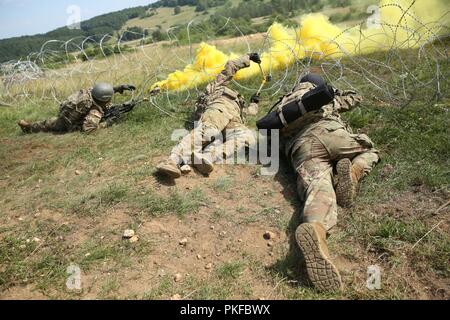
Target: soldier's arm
(231, 68)
(252, 109)
(92, 121)
(346, 100)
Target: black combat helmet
(314, 79)
(102, 92)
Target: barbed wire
(62, 67)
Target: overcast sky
(28, 17)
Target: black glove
(124, 87)
(255, 57)
(255, 98)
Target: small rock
(268, 235)
(199, 257)
(277, 211)
(240, 240)
(161, 273)
(183, 242)
(212, 227)
(77, 172)
(178, 277)
(223, 233)
(87, 255)
(128, 234)
(209, 266)
(266, 193)
(270, 244)
(23, 246)
(186, 169)
(176, 297)
(134, 239)
(36, 239)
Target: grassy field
(165, 17)
(67, 199)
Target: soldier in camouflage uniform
(82, 110)
(221, 112)
(330, 161)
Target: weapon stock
(116, 112)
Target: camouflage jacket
(81, 112)
(327, 117)
(218, 96)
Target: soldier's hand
(254, 56)
(124, 87)
(255, 98)
(128, 87)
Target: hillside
(153, 21)
(66, 200)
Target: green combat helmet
(102, 92)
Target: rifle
(116, 112)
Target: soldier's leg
(237, 141)
(315, 188)
(55, 124)
(210, 126)
(209, 129)
(356, 158)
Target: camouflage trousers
(218, 136)
(69, 119)
(55, 124)
(314, 160)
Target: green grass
(117, 166)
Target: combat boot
(202, 164)
(169, 168)
(25, 126)
(348, 177)
(323, 274)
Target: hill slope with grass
(163, 20)
(68, 199)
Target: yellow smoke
(402, 26)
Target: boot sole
(170, 173)
(344, 188)
(321, 271)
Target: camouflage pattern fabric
(314, 144)
(77, 112)
(219, 110)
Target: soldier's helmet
(313, 78)
(102, 92)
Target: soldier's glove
(124, 87)
(255, 57)
(255, 98)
